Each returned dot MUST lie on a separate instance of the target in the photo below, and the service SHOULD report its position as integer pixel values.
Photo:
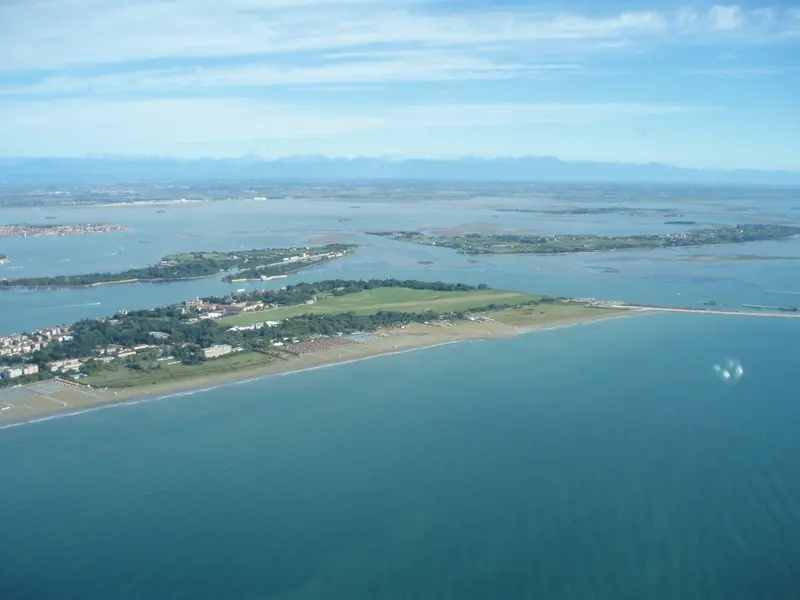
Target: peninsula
(26, 230)
(213, 340)
(475, 243)
(248, 264)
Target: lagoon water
(602, 461)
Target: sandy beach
(57, 400)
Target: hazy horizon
(526, 169)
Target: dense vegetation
(188, 266)
(475, 243)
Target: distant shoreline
(391, 341)
(101, 283)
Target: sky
(698, 85)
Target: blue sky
(700, 85)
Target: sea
(653, 456)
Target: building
(217, 351)
(10, 372)
(30, 369)
(68, 364)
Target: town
(17, 349)
(23, 230)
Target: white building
(217, 351)
(10, 372)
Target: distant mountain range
(526, 169)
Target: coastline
(102, 283)
(393, 341)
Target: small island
(476, 243)
(590, 211)
(26, 230)
(248, 264)
(221, 339)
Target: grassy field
(122, 377)
(387, 298)
(544, 314)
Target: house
(217, 350)
(30, 369)
(111, 349)
(68, 364)
(10, 372)
(159, 335)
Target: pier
(713, 311)
(762, 307)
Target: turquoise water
(604, 461)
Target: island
(247, 264)
(209, 341)
(30, 230)
(589, 211)
(476, 243)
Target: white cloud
(55, 34)
(385, 67)
(725, 18)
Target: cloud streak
(385, 67)
(112, 126)
(58, 34)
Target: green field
(547, 314)
(120, 376)
(394, 299)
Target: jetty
(762, 307)
(713, 311)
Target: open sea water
(602, 461)
(606, 461)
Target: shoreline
(102, 283)
(390, 342)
